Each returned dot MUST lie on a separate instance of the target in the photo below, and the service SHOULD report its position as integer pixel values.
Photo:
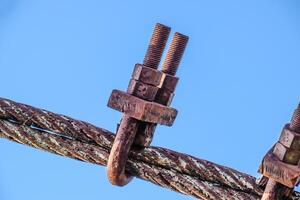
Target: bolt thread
(295, 121)
(157, 45)
(175, 54)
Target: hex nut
(169, 82)
(286, 155)
(142, 90)
(290, 138)
(164, 97)
(281, 172)
(147, 75)
(141, 109)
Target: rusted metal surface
(289, 138)
(157, 45)
(166, 94)
(96, 154)
(137, 106)
(57, 123)
(142, 90)
(147, 75)
(144, 134)
(79, 140)
(132, 106)
(167, 178)
(119, 152)
(279, 171)
(164, 97)
(282, 168)
(142, 110)
(168, 84)
(286, 155)
(273, 190)
(152, 59)
(146, 78)
(295, 121)
(175, 54)
(180, 172)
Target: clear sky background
(239, 83)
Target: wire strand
(80, 140)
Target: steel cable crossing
(80, 140)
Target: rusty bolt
(141, 85)
(295, 121)
(271, 191)
(166, 93)
(175, 53)
(157, 45)
(167, 87)
(142, 115)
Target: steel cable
(80, 140)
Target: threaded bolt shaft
(175, 53)
(157, 45)
(295, 121)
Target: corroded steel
(57, 123)
(119, 152)
(142, 90)
(157, 45)
(286, 154)
(180, 172)
(144, 85)
(140, 109)
(147, 75)
(270, 188)
(164, 177)
(289, 138)
(137, 106)
(175, 53)
(169, 82)
(144, 134)
(279, 171)
(167, 87)
(274, 189)
(164, 97)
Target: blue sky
(239, 82)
